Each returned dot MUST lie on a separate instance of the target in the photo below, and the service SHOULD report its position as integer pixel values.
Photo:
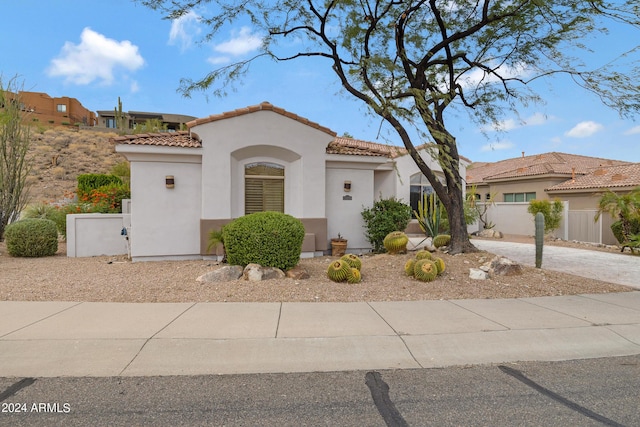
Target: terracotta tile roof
(540, 164)
(350, 146)
(265, 106)
(165, 139)
(606, 177)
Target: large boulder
(223, 274)
(297, 273)
(478, 274)
(489, 233)
(502, 266)
(256, 273)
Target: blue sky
(101, 50)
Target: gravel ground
(115, 279)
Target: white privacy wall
(96, 234)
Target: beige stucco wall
(523, 185)
(229, 144)
(165, 222)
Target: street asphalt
(51, 339)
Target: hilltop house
(185, 184)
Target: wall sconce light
(170, 181)
(347, 186)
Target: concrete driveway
(619, 268)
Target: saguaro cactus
(539, 238)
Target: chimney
(523, 154)
(573, 174)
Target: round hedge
(271, 239)
(32, 237)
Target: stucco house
(576, 180)
(185, 184)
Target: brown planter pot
(338, 247)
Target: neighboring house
(174, 122)
(185, 184)
(583, 192)
(514, 182)
(47, 111)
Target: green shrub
(32, 237)
(385, 216)
(93, 181)
(552, 213)
(107, 198)
(47, 211)
(634, 228)
(271, 239)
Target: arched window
(263, 187)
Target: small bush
(382, 218)
(634, 228)
(271, 239)
(107, 198)
(552, 213)
(93, 181)
(32, 237)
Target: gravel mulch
(115, 279)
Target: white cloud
(633, 131)
(95, 58)
(584, 129)
(241, 43)
(477, 76)
(495, 146)
(135, 87)
(184, 29)
(510, 124)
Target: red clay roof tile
(164, 139)
(627, 175)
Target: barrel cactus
(396, 242)
(425, 270)
(352, 260)
(423, 254)
(439, 262)
(408, 266)
(441, 240)
(354, 275)
(338, 270)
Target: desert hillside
(60, 155)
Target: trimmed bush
(382, 218)
(271, 239)
(616, 228)
(93, 181)
(32, 237)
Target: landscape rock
(424, 244)
(256, 273)
(477, 274)
(223, 274)
(502, 266)
(490, 234)
(297, 273)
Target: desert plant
(339, 270)
(441, 240)
(353, 260)
(430, 214)
(385, 216)
(396, 242)
(107, 198)
(552, 213)
(475, 208)
(423, 254)
(271, 239)
(32, 237)
(216, 238)
(47, 211)
(409, 266)
(634, 228)
(425, 270)
(540, 228)
(439, 262)
(354, 275)
(624, 207)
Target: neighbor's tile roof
(265, 106)
(342, 145)
(164, 139)
(627, 175)
(540, 164)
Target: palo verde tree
(417, 64)
(15, 163)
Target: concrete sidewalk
(622, 269)
(44, 339)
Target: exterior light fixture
(170, 181)
(347, 186)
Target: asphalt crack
(380, 394)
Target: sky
(100, 50)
